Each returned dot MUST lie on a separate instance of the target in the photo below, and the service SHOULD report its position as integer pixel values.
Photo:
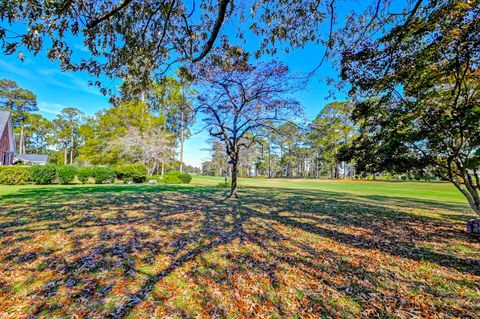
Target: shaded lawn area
(127, 251)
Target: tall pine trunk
(269, 163)
(72, 147)
(182, 140)
(21, 145)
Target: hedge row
(14, 175)
(47, 174)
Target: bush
(66, 174)
(175, 177)
(171, 179)
(224, 185)
(14, 175)
(43, 174)
(136, 173)
(185, 178)
(103, 174)
(84, 173)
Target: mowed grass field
(284, 249)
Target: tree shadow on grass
(103, 251)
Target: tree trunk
(21, 145)
(65, 162)
(337, 170)
(72, 147)
(269, 163)
(233, 189)
(470, 194)
(151, 171)
(344, 170)
(163, 168)
(182, 140)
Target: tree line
(295, 150)
(133, 131)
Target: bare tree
(242, 101)
(151, 147)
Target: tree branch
(222, 10)
(94, 22)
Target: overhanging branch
(94, 22)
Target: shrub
(185, 178)
(136, 173)
(175, 177)
(14, 175)
(103, 174)
(171, 179)
(84, 173)
(43, 174)
(66, 174)
(224, 185)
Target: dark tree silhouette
(418, 92)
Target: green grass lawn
(286, 248)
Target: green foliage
(175, 177)
(108, 125)
(185, 178)
(136, 173)
(171, 179)
(20, 101)
(418, 97)
(43, 174)
(224, 185)
(66, 174)
(37, 131)
(103, 174)
(84, 173)
(14, 175)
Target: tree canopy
(418, 94)
(136, 40)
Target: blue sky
(56, 89)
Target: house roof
(6, 118)
(32, 158)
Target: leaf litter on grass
(271, 254)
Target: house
(7, 139)
(8, 155)
(31, 159)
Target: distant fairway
(437, 191)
